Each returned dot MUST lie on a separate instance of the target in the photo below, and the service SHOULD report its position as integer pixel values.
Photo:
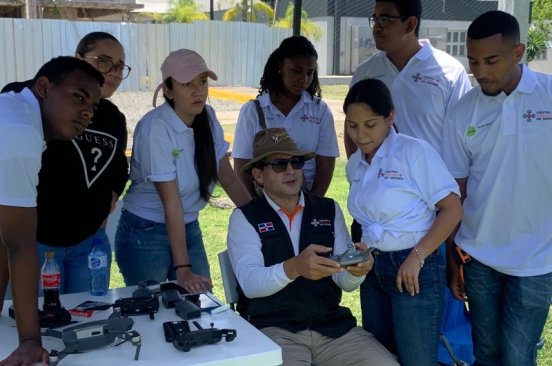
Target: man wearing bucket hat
(278, 245)
(179, 153)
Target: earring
(279, 71)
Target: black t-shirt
(77, 177)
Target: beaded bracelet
(419, 257)
(182, 266)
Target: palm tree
(184, 11)
(249, 11)
(308, 28)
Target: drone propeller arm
(54, 357)
(136, 341)
(137, 354)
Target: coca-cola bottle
(51, 281)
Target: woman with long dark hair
(290, 97)
(178, 155)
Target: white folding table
(251, 347)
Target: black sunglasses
(280, 165)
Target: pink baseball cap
(182, 65)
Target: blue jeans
(406, 325)
(73, 262)
(143, 251)
(508, 314)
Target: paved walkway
(237, 94)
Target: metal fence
(236, 51)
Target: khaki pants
(307, 347)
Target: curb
(229, 95)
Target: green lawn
(336, 92)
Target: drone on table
(91, 335)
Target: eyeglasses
(280, 165)
(382, 20)
(105, 66)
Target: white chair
(229, 281)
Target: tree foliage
(249, 11)
(542, 10)
(184, 11)
(537, 39)
(308, 29)
(538, 34)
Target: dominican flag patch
(265, 226)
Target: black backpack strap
(260, 113)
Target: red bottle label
(83, 313)
(51, 280)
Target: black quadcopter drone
(91, 335)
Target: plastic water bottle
(97, 264)
(51, 281)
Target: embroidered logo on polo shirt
(473, 129)
(390, 174)
(531, 116)
(176, 153)
(265, 226)
(424, 79)
(311, 119)
(323, 222)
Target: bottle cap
(96, 241)
(50, 255)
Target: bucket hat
(273, 141)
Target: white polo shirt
(310, 124)
(244, 249)
(422, 91)
(21, 146)
(503, 145)
(394, 197)
(163, 151)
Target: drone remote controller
(175, 329)
(141, 305)
(50, 318)
(352, 256)
(178, 332)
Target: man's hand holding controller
(357, 259)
